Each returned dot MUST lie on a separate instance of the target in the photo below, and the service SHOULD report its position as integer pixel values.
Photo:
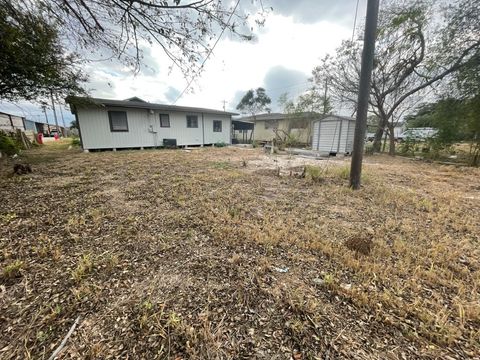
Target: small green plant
(84, 266)
(76, 141)
(255, 144)
(313, 173)
(342, 172)
(220, 144)
(7, 218)
(8, 145)
(12, 270)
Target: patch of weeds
(313, 173)
(13, 270)
(424, 205)
(8, 218)
(45, 248)
(342, 172)
(220, 144)
(360, 244)
(221, 165)
(84, 267)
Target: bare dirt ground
(231, 254)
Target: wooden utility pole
(44, 108)
(364, 93)
(54, 113)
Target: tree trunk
(391, 131)
(384, 142)
(377, 140)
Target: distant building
(280, 126)
(11, 123)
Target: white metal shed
(333, 134)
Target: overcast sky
(296, 35)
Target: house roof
(279, 116)
(138, 103)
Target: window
(271, 124)
(118, 120)
(217, 126)
(192, 121)
(164, 120)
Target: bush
(8, 145)
(76, 141)
(313, 173)
(220, 144)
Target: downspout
(203, 131)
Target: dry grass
(173, 254)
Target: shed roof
(281, 116)
(339, 117)
(138, 103)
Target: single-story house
(279, 126)
(135, 123)
(333, 134)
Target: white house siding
(212, 137)
(144, 129)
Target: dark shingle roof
(140, 104)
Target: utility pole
(44, 108)
(63, 119)
(54, 112)
(364, 93)
(224, 104)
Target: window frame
(160, 118)
(189, 117)
(110, 120)
(271, 124)
(221, 125)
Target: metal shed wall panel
(333, 135)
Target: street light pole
(364, 93)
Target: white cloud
(234, 66)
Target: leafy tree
(456, 120)
(34, 63)
(186, 31)
(74, 124)
(411, 56)
(254, 102)
(312, 101)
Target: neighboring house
(134, 123)
(44, 128)
(333, 134)
(279, 126)
(11, 123)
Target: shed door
(329, 136)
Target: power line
(209, 53)
(355, 20)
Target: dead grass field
(193, 255)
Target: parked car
(417, 134)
